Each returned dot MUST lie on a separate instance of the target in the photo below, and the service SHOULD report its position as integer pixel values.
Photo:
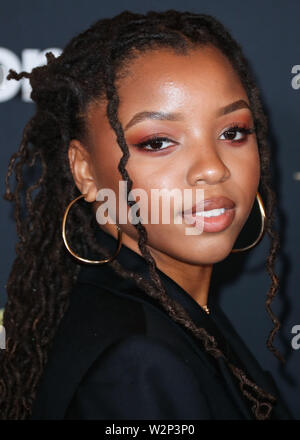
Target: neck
(194, 279)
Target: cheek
(245, 173)
(151, 172)
(106, 162)
(253, 169)
(153, 175)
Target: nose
(207, 165)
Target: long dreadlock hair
(43, 273)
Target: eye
(155, 144)
(236, 133)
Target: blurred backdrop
(269, 33)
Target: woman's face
(194, 101)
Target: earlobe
(82, 170)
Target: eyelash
(241, 128)
(235, 126)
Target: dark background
(269, 33)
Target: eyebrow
(241, 103)
(163, 116)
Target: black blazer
(118, 355)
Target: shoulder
(93, 321)
(139, 377)
(98, 312)
(108, 338)
(140, 352)
(94, 311)
(106, 317)
(98, 319)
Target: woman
(113, 320)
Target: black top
(117, 354)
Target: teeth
(212, 213)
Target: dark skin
(197, 86)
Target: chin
(198, 257)
(209, 259)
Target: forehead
(196, 83)
(204, 70)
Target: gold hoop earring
(261, 233)
(85, 260)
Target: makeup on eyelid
(156, 131)
(236, 133)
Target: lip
(209, 204)
(215, 223)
